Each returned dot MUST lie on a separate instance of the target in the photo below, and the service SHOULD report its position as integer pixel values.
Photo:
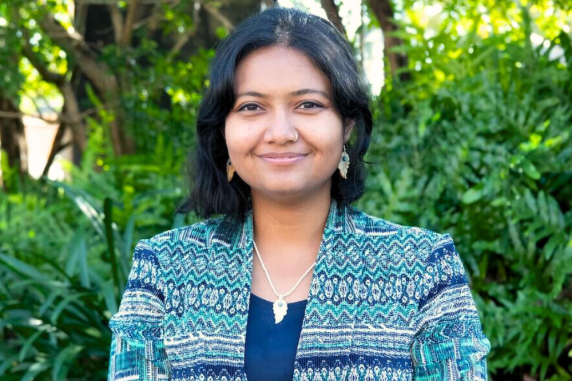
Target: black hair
(327, 48)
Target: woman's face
(280, 92)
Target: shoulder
(428, 257)
(397, 239)
(184, 241)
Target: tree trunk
(57, 146)
(13, 137)
(333, 12)
(98, 74)
(384, 14)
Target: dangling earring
(229, 170)
(344, 163)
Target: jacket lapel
(327, 327)
(326, 337)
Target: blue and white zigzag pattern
(386, 302)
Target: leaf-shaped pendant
(344, 164)
(280, 308)
(229, 170)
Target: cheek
(240, 138)
(327, 136)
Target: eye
(316, 105)
(244, 107)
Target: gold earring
(229, 170)
(344, 163)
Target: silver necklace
(280, 306)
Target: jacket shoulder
(186, 240)
(397, 238)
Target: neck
(289, 234)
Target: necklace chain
(270, 280)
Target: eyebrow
(293, 93)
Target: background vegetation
(472, 137)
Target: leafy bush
(65, 257)
(480, 146)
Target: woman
(292, 283)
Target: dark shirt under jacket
(270, 349)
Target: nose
(280, 128)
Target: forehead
(278, 68)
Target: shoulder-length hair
(210, 192)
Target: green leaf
(48, 303)
(35, 369)
(472, 195)
(530, 201)
(515, 238)
(108, 292)
(7, 363)
(23, 268)
(86, 204)
(108, 220)
(543, 207)
(67, 355)
(551, 245)
(530, 170)
(28, 345)
(63, 304)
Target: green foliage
(65, 255)
(10, 78)
(480, 145)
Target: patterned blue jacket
(386, 302)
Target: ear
(350, 123)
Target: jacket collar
(232, 235)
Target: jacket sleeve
(449, 344)
(137, 349)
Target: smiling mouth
(284, 160)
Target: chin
(283, 188)
(289, 188)
(286, 188)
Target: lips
(284, 155)
(282, 158)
